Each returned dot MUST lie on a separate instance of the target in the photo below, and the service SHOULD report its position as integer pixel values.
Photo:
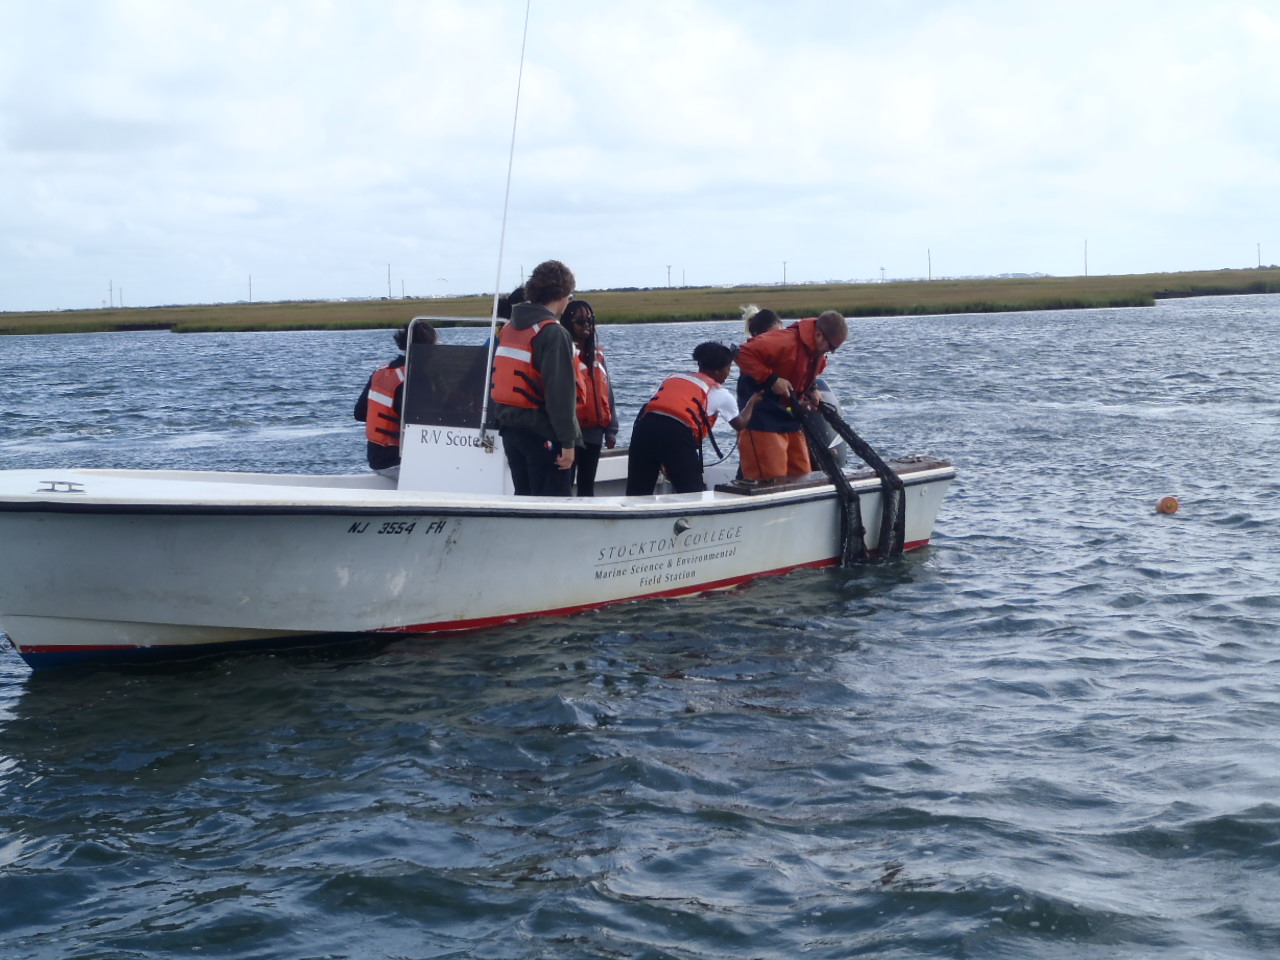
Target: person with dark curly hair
(597, 408)
(535, 386)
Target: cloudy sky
(189, 151)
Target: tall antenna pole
(502, 236)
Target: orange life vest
(593, 393)
(516, 382)
(684, 396)
(382, 422)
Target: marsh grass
(667, 304)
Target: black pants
(532, 459)
(661, 441)
(585, 462)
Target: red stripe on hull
(481, 622)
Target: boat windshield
(445, 384)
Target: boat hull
(116, 565)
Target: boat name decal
(667, 559)
(661, 546)
(396, 527)
(450, 438)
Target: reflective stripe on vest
(382, 422)
(684, 396)
(516, 382)
(593, 393)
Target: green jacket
(554, 357)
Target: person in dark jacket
(381, 401)
(535, 389)
(506, 302)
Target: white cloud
(175, 149)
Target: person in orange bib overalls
(785, 363)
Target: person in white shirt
(670, 429)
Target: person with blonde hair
(756, 321)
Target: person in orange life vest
(535, 386)
(380, 402)
(669, 432)
(597, 409)
(783, 362)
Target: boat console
(442, 446)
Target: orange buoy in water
(1167, 505)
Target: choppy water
(1054, 734)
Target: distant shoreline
(676, 304)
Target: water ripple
(1052, 734)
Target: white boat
(103, 565)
